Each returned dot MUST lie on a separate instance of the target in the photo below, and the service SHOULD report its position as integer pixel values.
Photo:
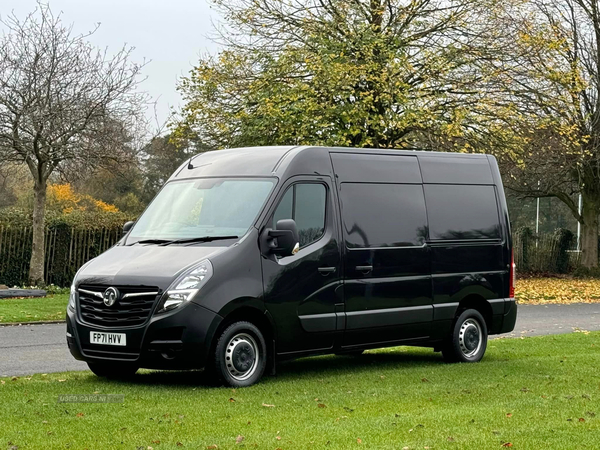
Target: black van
(248, 256)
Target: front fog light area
(185, 287)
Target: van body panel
(387, 279)
(237, 280)
(449, 169)
(234, 162)
(301, 290)
(144, 265)
(376, 168)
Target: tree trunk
(38, 250)
(589, 230)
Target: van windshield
(204, 207)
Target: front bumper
(177, 340)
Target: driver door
(304, 291)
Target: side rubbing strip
(318, 323)
(388, 317)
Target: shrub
(586, 272)
(543, 253)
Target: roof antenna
(190, 166)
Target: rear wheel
(468, 341)
(240, 356)
(113, 370)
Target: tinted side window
(462, 212)
(306, 204)
(383, 215)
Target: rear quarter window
(458, 212)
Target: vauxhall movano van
(253, 255)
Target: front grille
(133, 307)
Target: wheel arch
(248, 310)
(478, 303)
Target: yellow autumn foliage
(539, 291)
(105, 207)
(62, 197)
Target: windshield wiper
(152, 241)
(197, 239)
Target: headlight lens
(186, 287)
(72, 297)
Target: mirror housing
(127, 226)
(284, 239)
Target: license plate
(97, 337)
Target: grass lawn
(33, 309)
(531, 393)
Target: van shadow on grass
(318, 367)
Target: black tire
(468, 340)
(113, 370)
(240, 356)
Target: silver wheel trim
(466, 325)
(234, 342)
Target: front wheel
(468, 341)
(240, 356)
(113, 370)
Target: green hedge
(71, 240)
(67, 249)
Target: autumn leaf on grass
(231, 400)
(507, 444)
(322, 405)
(212, 447)
(156, 442)
(508, 414)
(239, 439)
(358, 440)
(80, 414)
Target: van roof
(274, 160)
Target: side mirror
(284, 240)
(127, 226)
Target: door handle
(364, 269)
(326, 270)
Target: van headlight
(72, 295)
(185, 287)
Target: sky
(171, 34)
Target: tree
(160, 158)
(371, 73)
(545, 87)
(61, 101)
